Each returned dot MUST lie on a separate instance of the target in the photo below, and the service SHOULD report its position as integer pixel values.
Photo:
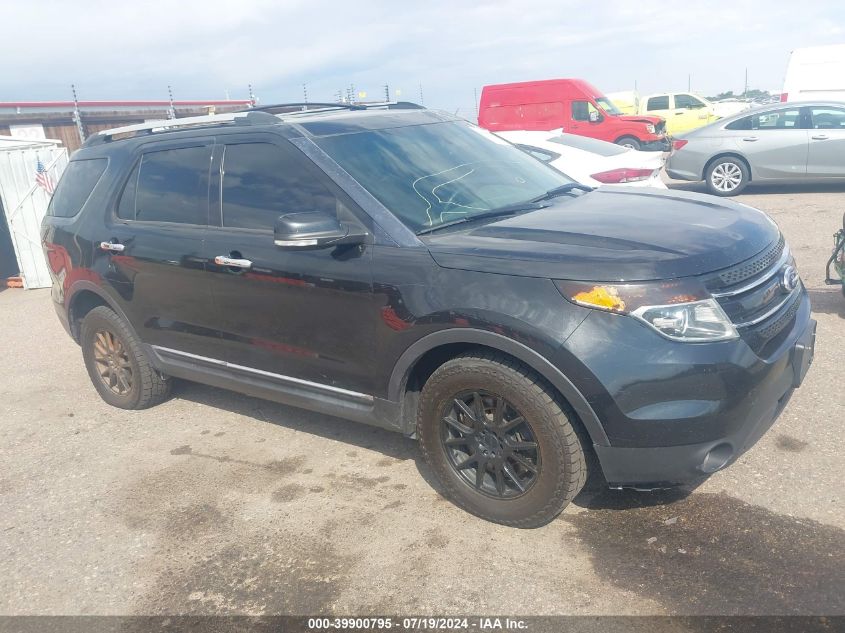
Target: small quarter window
(75, 186)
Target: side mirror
(595, 117)
(313, 229)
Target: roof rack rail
(247, 117)
(311, 107)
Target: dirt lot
(218, 503)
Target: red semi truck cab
(571, 104)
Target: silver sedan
(787, 141)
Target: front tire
(630, 142)
(727, 176)
(116, 364)
(498, 440)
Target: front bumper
(678, 414)
(660, 145)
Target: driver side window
(261, 181)
(581, 111)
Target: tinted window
(828, 118)
(173, 186)
(263, 181)
(777, 120)
(580, 110)
(126, 206)
(658, 103)
(688, 101)
(740, 124)
(75, 185)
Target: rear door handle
(112, 247)
(232, 262)
(750, 139)
(820, 137)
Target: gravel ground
(216, 503)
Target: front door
(826, 157)
(309, 314)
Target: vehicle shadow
(355, 434)
(827, 300)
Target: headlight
(689, 322)
(680, 310)
(649, 127)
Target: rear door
(308, 315)
(775, 142)
(154, 244)
(826, 155)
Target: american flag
(42, 178)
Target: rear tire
(629, 141)
(518, 485)
(727, 176)
(116, 364)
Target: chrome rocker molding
(289, 390)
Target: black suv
(401, 267)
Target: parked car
(816, 73)
(570, 104)
(590, 161)
(837, 259)
(796, 142)
(407, 269)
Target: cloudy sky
(126, 50)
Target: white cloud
(134, 50)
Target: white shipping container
(25, 203)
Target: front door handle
(232, 262)
(750, 139)
(112, 247)
(820, 137)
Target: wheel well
(624, 136)
(726, 155)
(82, 303)
(428, 363)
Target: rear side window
(539, 154)
(658, 103)
(168, 186)
(262, 181)
(688, 102)
(740, 124)
(77, 183)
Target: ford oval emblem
(789, 279)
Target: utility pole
(386, 92)
(745, 91)
(305, 93)
(689, 83)
(475, 101)
(77, 117)
(171, 111)
(339, 96)
(252, 99)
(422, 101)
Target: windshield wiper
(510, 209)
(562, 191)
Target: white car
(590, 161)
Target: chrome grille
(755, 299)
(746, 270)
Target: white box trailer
(815, 74)
(24, 202)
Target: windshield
(607, 105)
(436, 173)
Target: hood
(620, 234)
(636, 118)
